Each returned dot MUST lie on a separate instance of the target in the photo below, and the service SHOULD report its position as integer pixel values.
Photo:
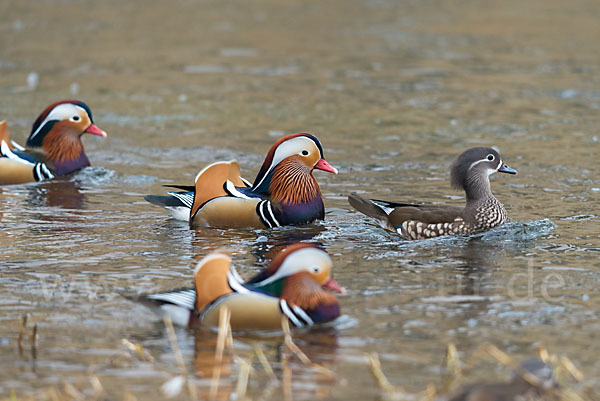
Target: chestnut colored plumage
(61, 148)
(293, 183)
(304, 292)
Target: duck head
(300, 268)
(540, 370)
(59, 128)
(472, 168)
(294, 153)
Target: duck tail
(178, 204)
(178, 304)
(164, 201)
(367, 207)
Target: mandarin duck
(470, 172)
(533, 380)
(54, 147)
(292, 286)
(285, 192)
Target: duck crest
(261, 183)
(38, 132)
(292, 183)
(466, 174)
(48, 109)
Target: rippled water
(394, 90)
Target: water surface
(394, 90)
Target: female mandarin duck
(292, 286)
(470, 172)
(540, 384)
(54, 145)
(285, 192)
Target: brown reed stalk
(178, 357)
(224, 329)
(289, 342)
(262, 358)
(380, 377)
(22, 333)
(286, 380)
(242, 382)
(34, 340)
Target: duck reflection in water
(271, 361)
(62, 193)
(266, 244)
(58, 193)
(479, 260)
(269, 245)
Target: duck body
(285, 192)
(541, 386)
(291, 287)
(470, 172)
(54, 146)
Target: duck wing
(392, 215)
(427, 214)
(18, 165)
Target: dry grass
(458, 371)
(192, 392)
(564, 371)
(223, 334)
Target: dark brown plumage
(469, 172)
(540, 385)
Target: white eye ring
(305, 152)
(316, 269)
(75, 118)
(490, 157)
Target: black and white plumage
(470, 172)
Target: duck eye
(316, 269)
(305, 153)
(490, 157)
(75, 118)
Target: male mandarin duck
(470, 172)
(540, 384)
(285, 192)
(292, 286)
(54, 147)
